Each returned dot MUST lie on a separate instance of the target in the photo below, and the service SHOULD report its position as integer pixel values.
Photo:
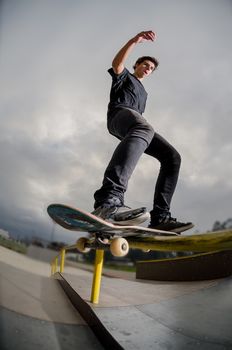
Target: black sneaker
(170, 224)
(122, 215)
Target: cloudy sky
(54, 145)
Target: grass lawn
(13, 245)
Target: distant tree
(227, 224)
(217, 226)
(55, 245)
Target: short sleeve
(118, 77)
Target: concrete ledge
(159, 315)
(204, 266)
(100, 331)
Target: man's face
(144, 69)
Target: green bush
(13, 245)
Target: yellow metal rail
(205, 242)
(59, 261)
(96, 284)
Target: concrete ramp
(158, 315)
(35, 313)
(132, 314)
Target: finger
(149, 34)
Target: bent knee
(149, 131)
(176, 157)
(144, 130)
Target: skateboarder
(126, 122)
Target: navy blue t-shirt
(126, 91)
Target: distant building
(4, 234)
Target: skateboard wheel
(119, 247)
(81, 245)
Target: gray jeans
(136, 137)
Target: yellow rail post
(96, 284)
(62, 260)
(56, 264)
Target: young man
(136, 135)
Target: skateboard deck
(76, 219)
(103, 234)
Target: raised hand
(121, 56)
(144, 36)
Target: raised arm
(121, 56)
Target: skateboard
(102, 234)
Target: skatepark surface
(35, 312)
(137, 314)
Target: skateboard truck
(118, 245)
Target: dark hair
(146, 58)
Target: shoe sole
(182, 228)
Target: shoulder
(120, 76)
